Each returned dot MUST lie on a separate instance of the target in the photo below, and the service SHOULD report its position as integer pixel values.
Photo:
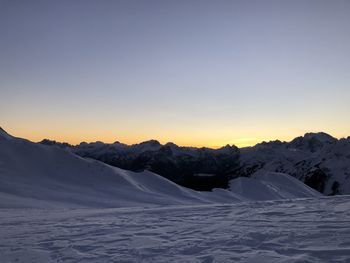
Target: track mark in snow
(303, 230)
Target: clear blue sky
(192, 72)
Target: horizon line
(164, 142)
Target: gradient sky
(201, 73)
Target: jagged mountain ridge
(181, 165)
(318, 159)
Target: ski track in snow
(300, 230)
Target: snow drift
(36, 175)
(271, 186)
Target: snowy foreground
(299, 230)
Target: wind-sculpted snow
(300, 230)
(270, 186)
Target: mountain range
(317, 159)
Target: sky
(199, 73)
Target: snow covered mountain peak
(312, 142)
(151, 145)
(320, 136)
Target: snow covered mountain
(4, 135)
(37, 175)
(317, 159)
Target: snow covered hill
(271, 186)
(36, 175)
(317, 159)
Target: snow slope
(271, 186)
(285, 231)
